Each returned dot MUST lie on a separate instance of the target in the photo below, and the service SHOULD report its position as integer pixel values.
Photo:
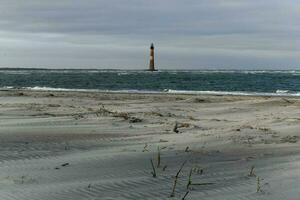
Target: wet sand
(81, 145)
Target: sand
(84, 145)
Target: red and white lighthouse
(151, 66)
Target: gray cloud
(116, 33)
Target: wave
(38, 88)
(236, 93)
(282, 91)
(290, 72)
(124, 71)
(165, 91)
(15, 72)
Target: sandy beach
(84, 145)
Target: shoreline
(137, 92)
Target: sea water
(223, 82)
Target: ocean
(223, 82)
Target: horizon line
(163, 69)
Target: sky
(189, 34)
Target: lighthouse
(151, 65)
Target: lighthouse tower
(151, 66)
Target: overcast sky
(188, 34)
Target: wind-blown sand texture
(80, 145)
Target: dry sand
(72, 145)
